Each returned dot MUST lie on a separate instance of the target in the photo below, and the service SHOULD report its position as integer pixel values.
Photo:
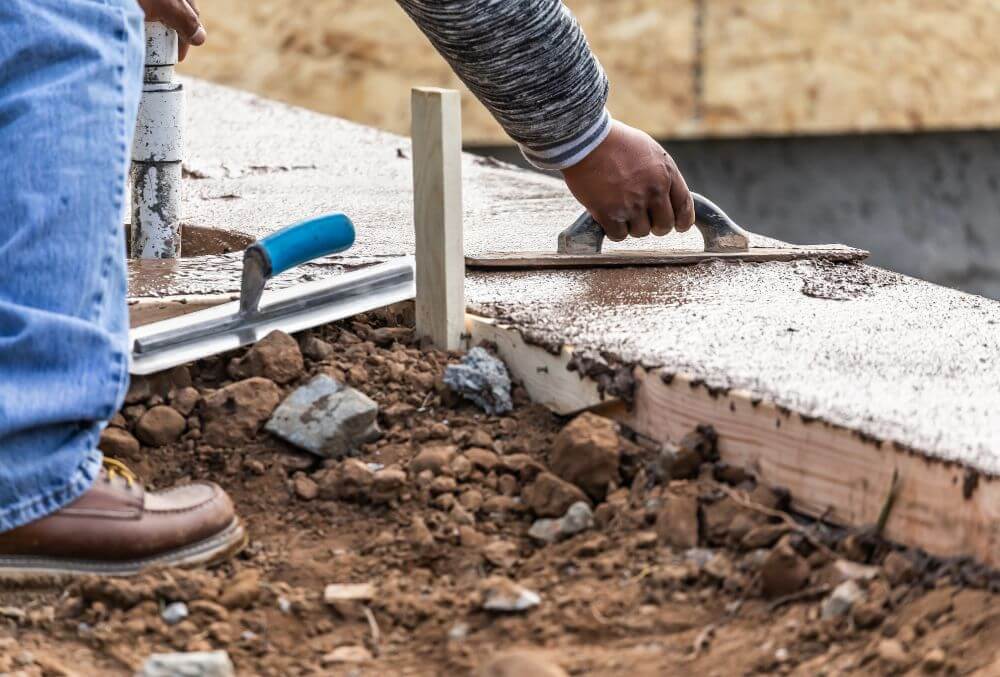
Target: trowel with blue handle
(581, 245)
(178, 340)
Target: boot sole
(220, 547)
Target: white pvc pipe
(157, 152)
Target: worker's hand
(182, 16)
(632, 186)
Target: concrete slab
(892, 358)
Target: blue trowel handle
(290, 247)
(305, 241)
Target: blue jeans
(70, 81)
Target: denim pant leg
(70, 81)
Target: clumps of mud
(444, 546)
(842, 281)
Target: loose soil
(691, 568)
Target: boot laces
(115, 468)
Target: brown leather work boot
(117, 528)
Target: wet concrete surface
(891, 357)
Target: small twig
(373, 627)
(890, 500)
(808, 593)
(789, 522)
(703, 639)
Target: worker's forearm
(529, 63)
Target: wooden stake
(437, 215)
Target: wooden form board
(830, 471)
(661, 257)
(437, 215)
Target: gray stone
(326, 418)
(483, 379)
(840, 601)
(192, 664)
(174, 613)
(578, 518)
(503, 595)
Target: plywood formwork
(824, 378)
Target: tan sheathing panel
(359, 58)
(767, 66)
(813, 66)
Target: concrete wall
(927, 205)
(679, 68)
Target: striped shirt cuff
(565, 154)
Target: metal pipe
(156, 152)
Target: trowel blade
(178, 340)
(661, 257)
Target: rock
(842, 570)
(348, 592)
(578, 517)
(243, 591)
(585, 452)
(839, 602)
(899, 569)
(193, 664)
(460, 515)
(522, 465)
(893, 653)
(520, 664)
(347, 654)
(350, 480)
(471, 500)
(386, 336)
(550, 496)
(470, 538)
(233, 414)
(400, 412)
(502, 554)
(138, 390)
(677, 522)
(418, 534)
(174, 613)
(461, 468)
(326, 418)
(436, 458)
(443, 485)
(276, 357)
(305, 487)
(679, 463)
(719, 566)
(316, 349)
(500, 505)
(185, 400)
(867, 615)
(387, 485)
(763, 536)
(479, 438)
(934, 660)
(504, 595)
(718, 518)
(483, 459)
(784, 571)
(118, 443)
(160, 426)
(483, 379)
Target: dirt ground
(689, 568)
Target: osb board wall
(778, 66)
(679, 68)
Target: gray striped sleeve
(530, 65)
